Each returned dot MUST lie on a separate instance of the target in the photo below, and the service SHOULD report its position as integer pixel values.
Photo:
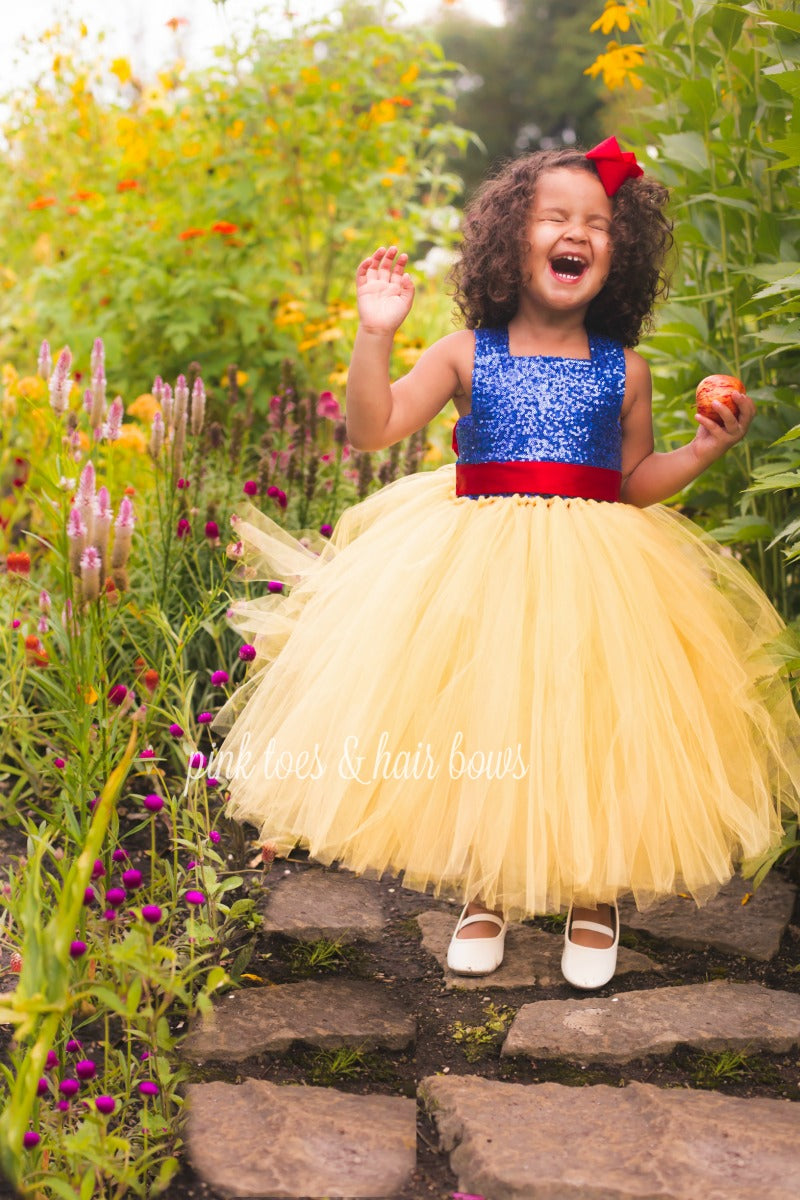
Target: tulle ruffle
(529, 700)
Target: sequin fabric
(542, 409)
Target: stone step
(268, 1140)
(326, 1013)
(550, 1142)
(739, 919)
(316, 903)
(532, 956)
(616, 1029)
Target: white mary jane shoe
(589, 966)
(476, 956)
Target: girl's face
(568, 255)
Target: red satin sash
(543, 478)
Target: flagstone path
(429, 1110)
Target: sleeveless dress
(499, 682)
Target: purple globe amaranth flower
(274, 585)
(212, 782)
(250, 487)
(198, 760)
(110, 914)
(62, 1106)
(30, 1139)
(60, 763)
(151, 913)
(326, 530)
(175, 730)
(119, 855)
(182, 484)
(43, 1086)
(105, 1104)
(98, 870)
(116, 897)
(117, 694)
(73, 1046)
(51, 1060)
(204, 718)
(148, 1087)
(77, 948)
(219, 677)
(214, 836)
(212, 530)
(247, 652)
(86, 1069)
(153, 802)
(69, 1087)
(148, 752)
(89, 895)
(193, 897)
(132, 878)
(183, 527)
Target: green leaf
(727, 23)
(688, 149)
(750, 528)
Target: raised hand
(384, 291)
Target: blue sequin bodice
(541, 409)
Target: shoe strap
(481, 917)
(593, 925)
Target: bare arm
(649, 477)
(380, 413)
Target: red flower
(83, 195)
(128, 185)
(403, 101)
(191, 233)
(18, 562)
(224, 227)
(43, 202)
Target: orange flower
(224, 227)
(35, 652)
(150, 679)
(191, 233)
(403, 101)
(18, 562)
(174, 23)
(128, 185)
(130, 491)
(83, 195)
(42, 202)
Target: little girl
(519, 679)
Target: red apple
(718, 387)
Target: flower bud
(60, 383)
(156, 435)
(198, 406)
(103, 516)
(123, 534)
(116, 412)
(98, 394)
(76, 537)
(98, 357)
(181, 400)
(90, 573)
(45, 361)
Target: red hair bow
(613, 165)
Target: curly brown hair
(488, 273)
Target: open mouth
(568, 268)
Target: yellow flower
(31, 387)
(617, 66)
(122, 69)
(144, 407)
(614, 14)
(131, 437)
(237, 128)
(410, 75)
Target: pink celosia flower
(90, 573)
(45, 363)
(123, 534)
(60, 382)
(198, 406)
(156, 434)
(113, 425)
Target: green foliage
(477, 1040)
(322, 955)
(720, 95)
(224, 209)
(330, 1066)
(523, 84)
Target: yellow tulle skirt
(524, 699)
